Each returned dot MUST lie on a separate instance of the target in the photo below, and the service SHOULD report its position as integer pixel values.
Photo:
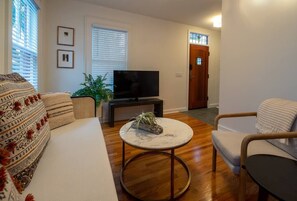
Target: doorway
(198, 76)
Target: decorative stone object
(147, 121)
(155, 128)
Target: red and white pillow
(8, 189)
(24, 128)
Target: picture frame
(65, 36)
(65, 58)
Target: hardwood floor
(149, 176)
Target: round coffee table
(175, 134)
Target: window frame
(195, 32)
(8, 51)
(3, 35)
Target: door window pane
(197, 38)
(199, 61)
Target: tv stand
(158, 106)
(133, 100)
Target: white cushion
(75, 165)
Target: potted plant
(147, 121)
(96, 88)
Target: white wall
(153, 45)
(258, 55)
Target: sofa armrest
(84, 107)
(232, 115)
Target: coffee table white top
(175, 134)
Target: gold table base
(172, 157)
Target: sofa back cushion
(24, 128)
(59, 108)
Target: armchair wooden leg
(214, 159)
(242, 184)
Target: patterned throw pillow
(24, 128)
(8, 190)
(59, 107)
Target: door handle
(190, 74)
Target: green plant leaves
(148, 118)
(96, 88)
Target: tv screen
(135, 84)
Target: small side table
(175, 134)
(275, 175)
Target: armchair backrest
(276, 115)
(294, 126)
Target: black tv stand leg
(158, 109)
(111, 117)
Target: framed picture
(65, 59)
(65, 36)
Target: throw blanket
(276, 115)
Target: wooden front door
(198, 78)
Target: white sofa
(75, 164)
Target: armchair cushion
(229, 145)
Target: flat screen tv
(135, 84)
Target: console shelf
(158, 106)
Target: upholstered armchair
(276, 129)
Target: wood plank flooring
(149, 177)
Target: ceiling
(191, 12)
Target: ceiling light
(217, 21)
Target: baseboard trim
(174, 110)
(212, 105)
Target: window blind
(25, 39)
(109, 52)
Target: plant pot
(99, 111)
(155, 129)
